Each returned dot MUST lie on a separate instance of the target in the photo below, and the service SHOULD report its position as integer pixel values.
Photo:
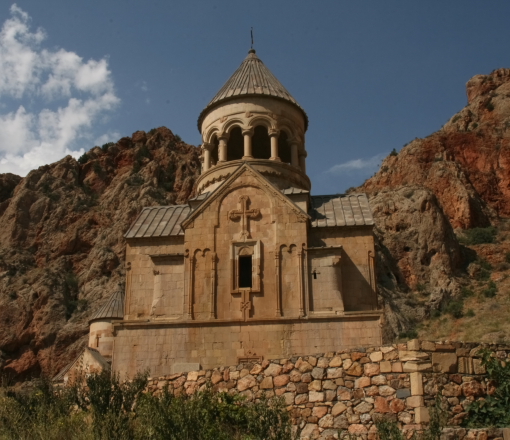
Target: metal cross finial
(252, 37)
(244, 214)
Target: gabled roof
(94, 353)
(245, 167)
(341, 210)
(113, 308)
(160, 221)
(252, 78)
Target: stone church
(254, 266)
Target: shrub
(492, 410)
(106, 146)
(507, 257)
(478, 236)
(491, 290)
(103, 408)
(466, 292)
(455, 308)
(470, 313)
(394, 152)
(489, 105)
(84, 158)
(408, 334)
(177, 138)
(97, 168)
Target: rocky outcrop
(466, 164)
(62, 243)
(456, 178)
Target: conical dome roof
(113, 308)
(252, 78)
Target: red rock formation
(62, 243)
(460, 178)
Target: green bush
(470, 313)
(455, 308)
(491, 290)
(478, 236)
(84, 158)
(466, 292)
(106, 146)
(489, 106)
(492, 410)
(507, 257)
(408, 334)
(394, 152)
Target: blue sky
(371, 75)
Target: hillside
(425, 196)
(62, 246)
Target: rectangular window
(245, 270)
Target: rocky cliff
(62, 246)
(455, 179)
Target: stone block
(310, 431)
(379, 380)
(357, 429)
(362, 382)
(326, 421)
(414, 401)
(376, 356)
(385, 367)
(336, 362)
(416, 380)
(273, 370)
(421, 415)
(246, 382)
(315, 396)
(315, 385)
(396, 367)
(412, 366)
(371, 369)
(403, 393)
(339, 408)
(444, 362)
(413, 344)
(385, 390)
(280, 381)
(267, 383)
(301, 399)
(381, 405)
(185, 367)
(409, 355)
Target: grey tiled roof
(160, 221)
(341, 210)
(294, 190)
(252, 78)
(113, 308)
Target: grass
(104, 408)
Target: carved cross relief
(243, 213)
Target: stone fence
(348, 389)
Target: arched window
(261, 144)
(235, 144)
(284, 147)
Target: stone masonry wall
(348, 389)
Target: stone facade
(253, 267)
(347, 390)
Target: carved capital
(248, 131)
(207, 146)
(272, 132)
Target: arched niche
(214, 152)
(284, 147)
(235, 144)
(261, 144)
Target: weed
(470, 313)
(177, 138)
(408, 334)
(394, 152)
(466, 292)
(489, 105)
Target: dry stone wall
(347, 390)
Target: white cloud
(30, 138)
(357, 165)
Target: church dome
(252, 78)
